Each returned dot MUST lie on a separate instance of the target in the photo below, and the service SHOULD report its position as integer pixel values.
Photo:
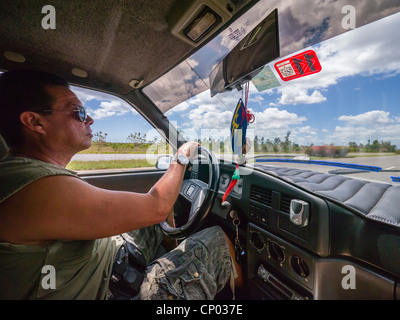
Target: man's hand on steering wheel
(189, 149)
(199, 194)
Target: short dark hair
(20, 91)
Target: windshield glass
(348, 112)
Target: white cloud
(208, 116)
(376, 123)
(180, 107)
(178, 85)
(307, 130)
(112, 108)
(109, 105)
(257, 99)
(301, 96)
(305, 135)
(370, 118)
(273, 122)
(216, 113)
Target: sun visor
(248, 57)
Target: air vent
(261, 195)
(285, 202)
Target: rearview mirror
(248, 57)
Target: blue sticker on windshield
(238, 128)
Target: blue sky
(354, 98)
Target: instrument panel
(295, 239)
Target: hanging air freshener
(240, 120)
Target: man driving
(50, 217)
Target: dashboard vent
(261, 195)
(285, 202)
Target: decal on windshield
(236, 34)
(265, 79)
(298, 66)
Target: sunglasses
(80, 110)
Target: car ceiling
(113, 41)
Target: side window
(122, 138)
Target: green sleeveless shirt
(59, 269)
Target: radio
(288, 292)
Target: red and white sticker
(300, 65)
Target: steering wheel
(199, 194)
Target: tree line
(266, 145)
(286, 145)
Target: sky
(354, 98)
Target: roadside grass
(124, 148)
(111, 164)
(363, 154)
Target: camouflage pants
(198, 268)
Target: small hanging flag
(238, 128)
(241, 119)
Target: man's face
(65, 131)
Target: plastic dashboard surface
(288, 261)
(265, 202)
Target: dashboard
(324, 249)
(299, 245)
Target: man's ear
(33, 121)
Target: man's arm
(63, 207)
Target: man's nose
(89, 120)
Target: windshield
(348, 112)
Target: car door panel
(140, 182)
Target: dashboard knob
(275, 251)
(300, 266)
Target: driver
(59, 234)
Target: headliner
(114, 41)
